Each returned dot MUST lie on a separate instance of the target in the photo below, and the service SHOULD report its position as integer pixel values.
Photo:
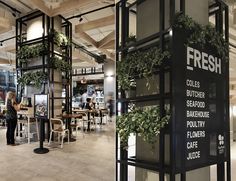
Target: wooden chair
(80, 123)
(57, 126)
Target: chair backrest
(104, 111)
(56, 121)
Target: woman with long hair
(11, 117)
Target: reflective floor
(88, 159)
(91, 158)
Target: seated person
(89, 104)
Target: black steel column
(117, 90)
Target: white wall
(109, 78)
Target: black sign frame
(214, 131)
(44, 100)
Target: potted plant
(139, 64)
(203, 35)
(131, 92)
(144, 122)
(27, 52)
(60, 64)
(33, 78)
(130, 40)
(60, 39)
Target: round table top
(65, 116)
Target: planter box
(30, 90)
(143, 90)
(35, 61)
(130, 93)
(144, 151)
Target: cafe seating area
(69, 126)
(88, 143)
(95, 152)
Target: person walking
(11, 117)
(110, 105)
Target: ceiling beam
(39, 4)
(98, 23)
(24, 8)
(9, 48)
(87, 38)
(5, 24)
(107, 39)
(4, 62)
(71, 5)
(79, 56)
(108, 54)
(109, 45)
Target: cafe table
(88, 112)
(29, 114)
(68, 118)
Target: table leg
(28, 128)
(68, 121)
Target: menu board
(41, 105)
(200, 102)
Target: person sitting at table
(89, 104)
(94, 99)
(11, 117)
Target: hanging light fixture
(83, 81)
(80, 18)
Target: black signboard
(41, 106)
(200, 100)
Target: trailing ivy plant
(139, 64)
(144, 122)
(26, 52)
(203, 35)
(33, 78)
(60, 64)
(60, 39)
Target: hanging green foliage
(33, 78)
(145, 122)
(60, 64)
(139, 64)
(203, 35)
(60, 39)
(26, 52)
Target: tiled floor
(91, 158)
(88, 159)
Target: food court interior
(78, 38)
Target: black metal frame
(88, 71)
(47, 39)
(220, 10)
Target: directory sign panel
(200, 99)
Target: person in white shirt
(84, 99)
(94, 99)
